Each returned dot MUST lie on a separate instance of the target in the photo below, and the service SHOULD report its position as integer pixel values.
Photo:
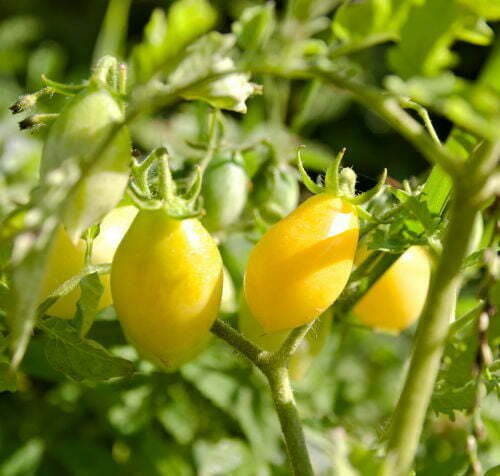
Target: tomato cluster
(167, 274)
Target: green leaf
(80, 359)
(25, 460)
(166, 37)
(419, 54)
(179, 417)
(91, 292)
(370, 21)
(489, 9)
(472, 106)
(455, 385)
(209, 56)
(255, 26)
(223, 457)
(8, 379)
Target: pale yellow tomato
(302, 264)
(67, 259)
(166, 281)
(64, 261)
(112, 230)
(396, 300)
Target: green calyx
(340, 182)
(163, 192)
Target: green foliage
(78, 358)
(165, 37)
(81, 401)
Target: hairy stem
(291, 427)
(235, 339)
(409, 416)
(273, 366)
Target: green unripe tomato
(310, 347)
(78, 133)
(275, 192)
(224, 191)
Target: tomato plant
(199, 162)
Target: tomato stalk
(274, 367)
(433, 326)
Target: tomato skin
(396, 300)
(302, 264)
(66, 259)
(224, 193)
(309, 348)
(166, 282)
(80, 130)
(111, 232)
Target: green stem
(408, 418)
(291, 427)
(235, 339)
(385, 105)
(213, 140)
(113, 32)
(273, 366)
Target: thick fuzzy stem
(409, 416)
(291, 427)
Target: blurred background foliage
(214, 416)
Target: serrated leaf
(455, 385)
(8, 379)
(165, 37)
(91, 292)
(80, 359)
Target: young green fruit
(302, 263)
(80, 133)
(224, 191)
(166, 282)
(275, 192)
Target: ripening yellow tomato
(66, 259)
(166, 282)
(396, 300)
(302, 264)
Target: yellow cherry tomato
(166, 282)
(303, 357)
(396, 300)
(302, 264)
(67, 259)
(111, 232)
